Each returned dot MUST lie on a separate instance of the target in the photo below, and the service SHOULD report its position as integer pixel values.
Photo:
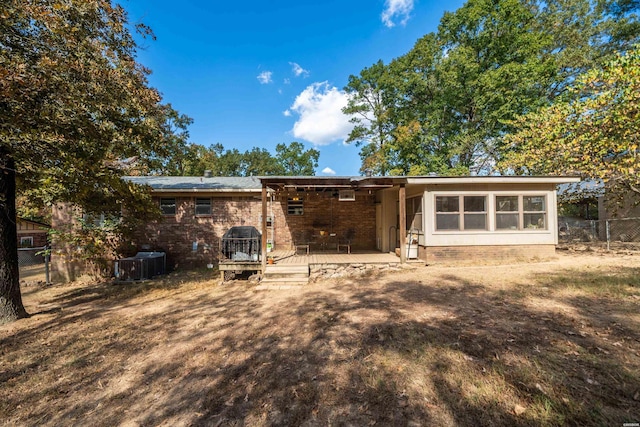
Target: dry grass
(530, 344)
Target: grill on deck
(242, 244)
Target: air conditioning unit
(347, 195)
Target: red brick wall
(482, 254)
(175, 234)
(324, 212)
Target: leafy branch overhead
(74, 103)
(592, 132)
(447, 104)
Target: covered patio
(329, 220)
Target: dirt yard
(553, 343)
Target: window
(100, 220)
(26, 242)
(295, 206)
(168, 206)
(473, 215)
(414, 213)
(203, 206)
(534, 212)
(521, 212)
(507, 213)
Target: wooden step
(286, 271)
(286, 275)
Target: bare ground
(549, 343)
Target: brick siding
(324, 212)
(176, 234)
(482, 254)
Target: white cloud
(298, 70)
(396, 10)
(328, 171)
(265, 77)
(287, 81)
(286, 113)
(321, 119)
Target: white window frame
(27, 239)
(521, 213)
(460, 213)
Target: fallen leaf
(519, 409)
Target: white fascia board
(494, 180)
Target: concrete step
(284, 281)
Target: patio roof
(316, 182)
(373, 182)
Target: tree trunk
(11, 307)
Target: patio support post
(264, 227)
(402, 210)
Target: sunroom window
(534, 212)
(449, 215)
(521, 212)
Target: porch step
(286, 274)
(285, 281)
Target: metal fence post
(47, 258)
(608, 235)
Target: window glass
(507, 216)
(168, 206)
(447, 204)
(474, 204)
(475, 221)
(414, 213)
(507, 221)
(507, 203)
(203, 206)
(447, 222)
(533, 203)
(26, 242)
(534, 220)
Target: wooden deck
(365, 257)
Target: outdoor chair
(345, 241)
(301, 241)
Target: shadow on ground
(407, 349)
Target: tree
(593, 132)
(447, 104)
(293, 159)
(369, 106)
(73, 103)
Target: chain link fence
(34, 264)
(619, 233)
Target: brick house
(442, 218)
(32, 234)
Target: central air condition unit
(347, 195)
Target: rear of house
(430, 218)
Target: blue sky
(259, 73)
